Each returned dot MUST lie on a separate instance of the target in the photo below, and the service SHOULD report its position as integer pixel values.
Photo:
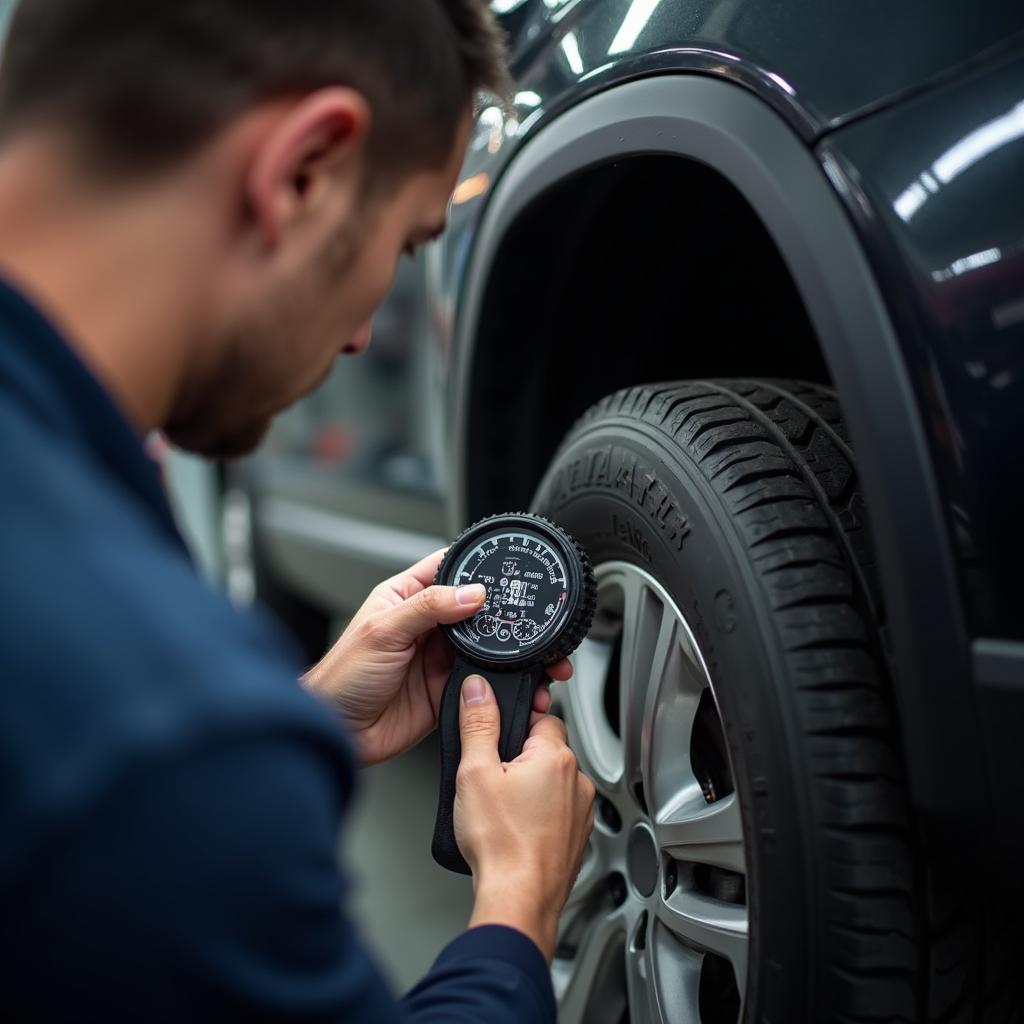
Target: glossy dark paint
(936, 189)
(825, 62)
(818, 65)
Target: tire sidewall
(626, 494)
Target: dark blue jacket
(170, 798)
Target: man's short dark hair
(143, 83)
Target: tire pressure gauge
(540, 603)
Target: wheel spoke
(597, 748)
(642, 620)
(705, 834)
(668, 769)
(641, 990)
(583, 890)
(676, 967)
(709, 925)
(664, 667)
(580, 982)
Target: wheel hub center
(642, 859)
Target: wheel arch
(719, 126)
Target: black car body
(695, 189)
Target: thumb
(479, 721)
(420, 613)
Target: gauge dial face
(527, 593)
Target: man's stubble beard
(229, 415)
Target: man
(202, 203)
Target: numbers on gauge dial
(526, 581)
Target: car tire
(732, 509)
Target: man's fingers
(545, 731)
(479, 722)
(416, 615)
(418, 577)
(550, 730)
(425, 570)
(542, 700)
(535, 717)
(561, 670)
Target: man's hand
(523, 827)
(387, 672)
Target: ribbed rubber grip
(514, 691)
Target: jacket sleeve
(491, 974)
(205, 887)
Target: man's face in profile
(318, 306)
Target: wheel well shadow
(650, 268)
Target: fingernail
(473, 594)
(473, 691)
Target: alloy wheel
(656, 928)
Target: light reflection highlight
(982, 141)
(565, 8)
(527, 99)
(974, 146)
(490, 129)
(571, 49)
(472, 187)
(967, 263)
(639, 13)
(781, 83)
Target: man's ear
(319, 139)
